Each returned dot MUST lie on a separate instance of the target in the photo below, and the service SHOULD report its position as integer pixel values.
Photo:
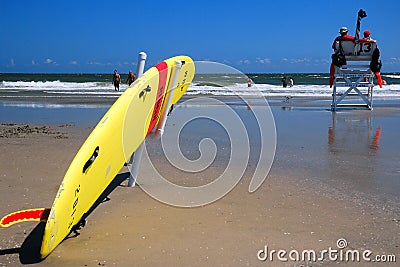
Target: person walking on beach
(291, 83)
(342, 37)
(116, 80)
(284, 82)
(131, 78)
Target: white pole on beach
(134, 161)
(170, 90)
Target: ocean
(15, 87)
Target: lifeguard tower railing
(354, 81)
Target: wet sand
(332, 178)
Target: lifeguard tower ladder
(356, 76)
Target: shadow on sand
(29, 252)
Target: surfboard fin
(38, 215)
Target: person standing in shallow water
(249, 82)
(116, 80)
(284, 82)
(291, 83)
(131, 78)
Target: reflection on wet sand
(348, 133)
(355, 158)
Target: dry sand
(290, 211)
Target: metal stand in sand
(170, 92)
(134, 162)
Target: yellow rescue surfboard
(112, 142)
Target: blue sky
(253, 36)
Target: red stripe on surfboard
(162, 80)
(35, 214)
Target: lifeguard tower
(354, 81)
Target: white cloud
(244, 61)
(324, 61)
(263, 60)
(33, 62)
(48, 61)
(74, 62)
(392, 60)
(299, 60)
(10, 63)
(95, 63)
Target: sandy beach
(335, 177)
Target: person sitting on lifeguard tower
(367, 37)
(344, 36)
